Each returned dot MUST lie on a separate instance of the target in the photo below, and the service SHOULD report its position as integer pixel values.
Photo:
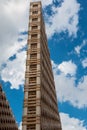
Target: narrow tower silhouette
(40, 101)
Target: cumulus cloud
(13, 19)
(64, 19)
(68, 68)
(67, 89)
(69, 123)
(14, 70)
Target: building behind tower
(7, 121)
(40, 101)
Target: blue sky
(66, 29)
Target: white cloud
(13, 19)
(14, 71)
(69, 123)
(78, 48)
(68, 68)
(65, 18)
(68, 91)
(84, 63)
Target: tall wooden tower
(40, 101)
